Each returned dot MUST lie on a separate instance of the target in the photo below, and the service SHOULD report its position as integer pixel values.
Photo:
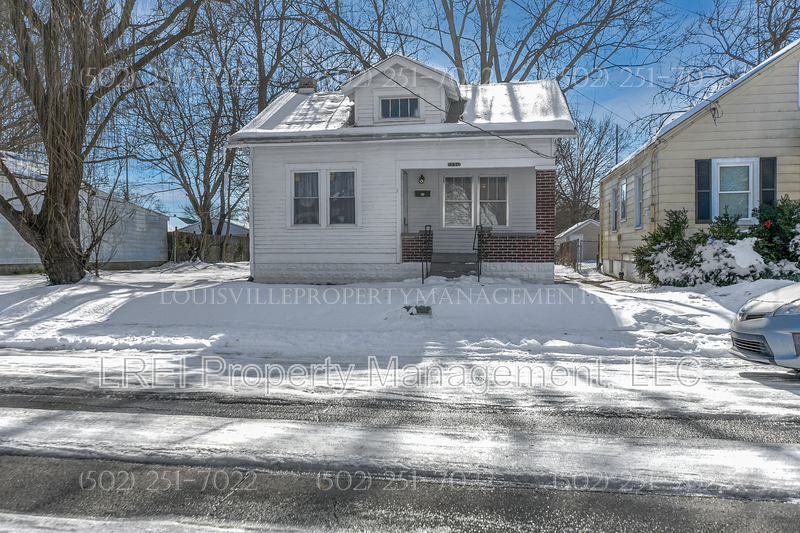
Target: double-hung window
(400, 108)
(734, 187)
(324, 197)
(494, 201)
(306, 198)
(458, 201)
(342, 193)
(623, 201)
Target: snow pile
(667, 269)
(722, 263)
(719, 263)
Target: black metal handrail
(427, 252)
(477, 244)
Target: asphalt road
(54, 489)
(385, 412)
(50, 493)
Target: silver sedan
(767, 328)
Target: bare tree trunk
(55, 51)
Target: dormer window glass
(400, 108)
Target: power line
(683, 9)
(595, 102)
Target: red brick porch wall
(414, 247)
(538, 248)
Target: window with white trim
(458, 201)
(399, 107)
(324, 197)
(306, 198)
(494, 201)
(734, 186)
(342, 194)
(623, 201)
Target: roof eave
(240, 140)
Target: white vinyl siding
(429, 93)
(140, 235)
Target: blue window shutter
(769, 179)
(702, 191)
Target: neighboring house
(342, 183)
(738, 149)
(588, 233)
(237, 228)
(138, 240)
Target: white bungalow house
(137, 240)
(343, 184)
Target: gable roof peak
(378, 72)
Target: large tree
(68, 56)
(206, 96)
(582, 163)
(566, 40)
(722, 44)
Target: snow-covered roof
(295, 112)
(705, 104)
(529, 107)
(575, 227)
(24, 166)
(523, 103)
(244, 226)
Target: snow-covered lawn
(192, 327)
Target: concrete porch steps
(453, 265)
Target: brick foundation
(414, 247)
(539, 248)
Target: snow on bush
(722, 263)
(717, 262)
(668, 270)
(723, 254)
(794, 244)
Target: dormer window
(400, 108)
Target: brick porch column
(545, 215)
